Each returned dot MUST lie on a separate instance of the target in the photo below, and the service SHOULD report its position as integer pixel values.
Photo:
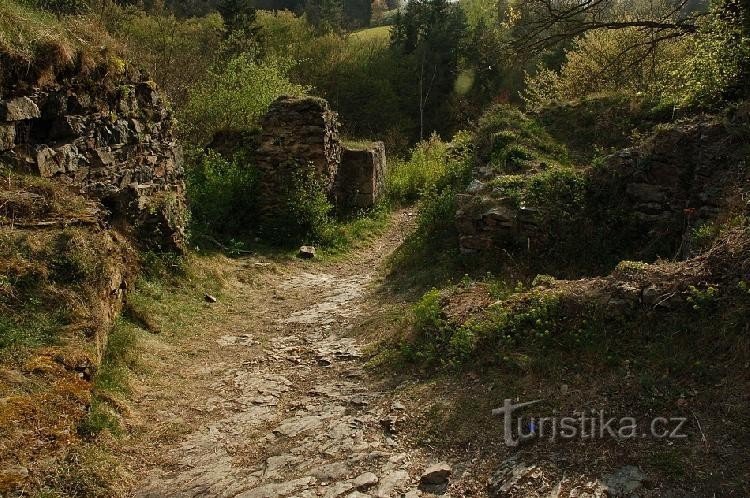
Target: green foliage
(408, 179)
(222, 193)
(512, 142)
(325, 15)
(430, 33)
(62, 6)
(597, 63)
(99, 418)
(236, 96)
(438, 342)
(359, 74)
(33, 330)
(703, 236)
(307, 214)
(111, 379)
(702, 299)
(713, 62)
(534, 323)
(352, 231)
(177, 53)
(593, 126)
(309, 210)
(692, 70)
(427, 313)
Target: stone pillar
(361, 176)
(300, 135)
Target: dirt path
(275, 401)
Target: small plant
(543, 281)
(428, 313)
(222, 193)
(309, 209)
(703, 236)
(702, 300)
(462, 344)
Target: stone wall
(674, 181)
(115, 144)
(360, 176)
(300, 137)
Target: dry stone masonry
(361, 175)
(300, 138)
(115, 144)
(680, 178)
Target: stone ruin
(301, 137)
(113, 144)
(360, 175)
(679, 178)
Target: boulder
(306, 252)
(19, 109)
(436, 474)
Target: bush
(62, 6)
(236, 96)
(507, 139)
(307, 214)
(222, 193)
(713, 64)
(433, 166)
(177, 53)
(691, 70)
(598, 64)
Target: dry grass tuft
(36, 47)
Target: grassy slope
(370, 34)
(35, 46)
(530, 344)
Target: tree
(237, 14)
(545, 23)
(431, 33)
(357, 13)
(325, 15)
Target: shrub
(222, 192)
(306, 217)
(427, 313)
(597, 63)
(507, 138)
(433, 166)
(408, 179)
(713, 64)
(177, 53)
(309, 210)
(62, 6)
(236, 96)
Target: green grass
(379, 33)
(346, 235)
(169, 295)
(19, 333)
(29, 32)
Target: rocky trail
(267, 395)
(284, 405)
